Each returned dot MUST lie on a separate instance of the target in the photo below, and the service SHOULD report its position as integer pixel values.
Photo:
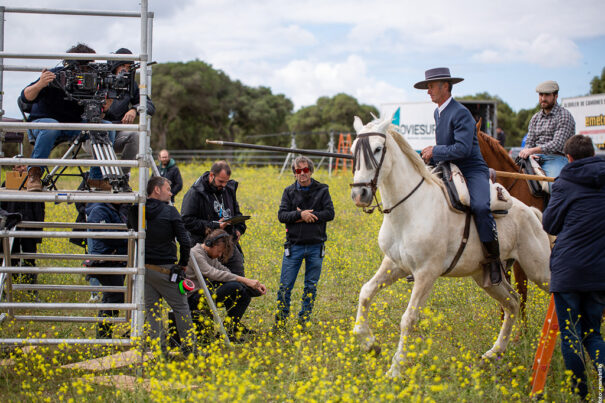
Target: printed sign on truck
(589, 114)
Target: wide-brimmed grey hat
(547, 87)
(436, 74)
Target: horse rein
(370, 161)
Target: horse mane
(413, 156)
(497, 149)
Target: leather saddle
(532, 166)
(458, 196)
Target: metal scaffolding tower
(135, 263)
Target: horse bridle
(363, 145)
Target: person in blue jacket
(577, 261)
(116, 214)
(457, 142)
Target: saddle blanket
(458, 196)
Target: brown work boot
(99, 184)
(34, 184)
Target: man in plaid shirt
(548, 130)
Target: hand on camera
(46, 77)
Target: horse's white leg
(509, 301)
(423, 283)
(386, 275)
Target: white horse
(420, 235)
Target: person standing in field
(306, 207)
(170, 171)
(577, 261)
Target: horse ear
(357, 124)
(382, 127)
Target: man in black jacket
(306, 207)
(164, 224)
(170, 171)
(49, 104)
(124, 111)
(209, 204)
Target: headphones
(211, 241)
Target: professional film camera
(94, 85)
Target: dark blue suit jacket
(456, 138)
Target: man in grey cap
(548, 130)
(457, 143)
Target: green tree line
(195, 102)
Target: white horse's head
(371, 159)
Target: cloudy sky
(374, 50)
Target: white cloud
(306, 80)
(545, 50)
(303, 48)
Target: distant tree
(195, 102)
(597, 84)
(328, 114)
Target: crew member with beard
(209, 204)
(548, 130)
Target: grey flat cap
(547, 87)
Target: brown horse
(497, 158)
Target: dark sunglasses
(299, 171)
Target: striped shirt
(550, 131)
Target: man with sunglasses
(306, 207)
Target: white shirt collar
(444, 105)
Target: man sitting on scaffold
(63, 95)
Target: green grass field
(322, 363)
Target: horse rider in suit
(457, 142)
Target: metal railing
(133, 306)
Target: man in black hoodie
(306, 207)
(209, 204)
(577, 261)
(164, 224)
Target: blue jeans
(46, 139)
(289, 271)
(579, 315)
(552, 165)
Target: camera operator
(124, 111)
(49, 105)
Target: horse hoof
(392, 373)
(490, 355)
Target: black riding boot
(492, 262)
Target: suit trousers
(479, 190)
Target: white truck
(416, 122)
(589, 114)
